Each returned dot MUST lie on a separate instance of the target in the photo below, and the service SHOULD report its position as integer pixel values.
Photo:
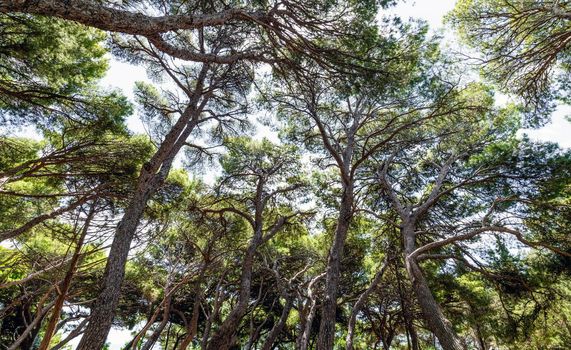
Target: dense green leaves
(525, 45)
(399, 208)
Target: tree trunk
(64, 288)
(407, 313)
(74, 333)
(306, 335)
(431, 311)
(192, 329)
(157, 332)
(150, 179)
(307, 316)
(224, 338)
(277, 328)
(359, 304)
(106, 303)
(329, 308)
(212, 316)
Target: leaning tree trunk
(192, 329)
(359, 304)
(157, 332)
(64, 288)
(407, 313)
(307, 317)
(225, 337)
(329, 308)
(278, 327)
(306, 333)
(106, 303)
(73, 334)
(150, 179)
(431, 311)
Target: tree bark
(225, 338)
(431, 311)
(74, 333)
(359, 304)
(106, 303)
(329, 308)
(64, 288)
(112, 19)
(306, 335)
(157, 332)
(192, 328)
(152, 176)
(277, 328)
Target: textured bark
(431, 311)
(95, 15)
(406, 313)
(215, 312)
(307, 316)
(192, 328)
(64, 288)
(225, 337)
(157, 332)
(306, 334)
(278, 327)
(329, 308)
(359, 304)
(106, 303)
(150, 179)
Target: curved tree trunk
(359, 304)
(431, 311)
(64, 288)
(150, 179)
(225, 337)
(277, 328)
(329, 308)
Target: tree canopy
(393, 204)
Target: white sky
(124, 76)
(432, 11)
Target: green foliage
(523, 44)
(44, 61)
(385, 116)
